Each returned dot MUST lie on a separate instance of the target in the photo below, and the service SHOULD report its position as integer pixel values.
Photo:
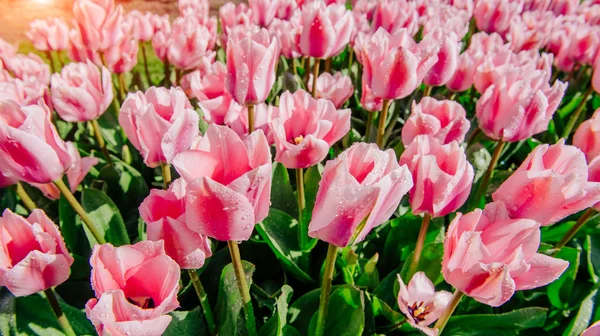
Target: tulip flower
(160, 123)
(24, 93)
(79, 52)
(213, 97)
(488, 255)
(136, 286)
(368, 100)
(28, 66)
(122, 57)
(239, 193)
(550, 184)
(495, 15)
(189, 41)
(360, 190)
(160, 40)
(305, 129)
(518, 105)
(286, 33)
(7, 50)
(231, 16)
(447, 18)
(196, 8)
(326, 30)
(337, 88)
(462, 79)
(572, 42)
(263, 11)
(81, 92)
(34, 253)
(164, 213)
(141, 25)
(530, 31)
(99, 22)
(420, 303)
(441, 174)
(393, 15)
(286, 9)
(51, 34)
(443, 120)
(32, 151)
(587, 137)
(596, 74)
(449, 49)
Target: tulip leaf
(312, 178)
(282, 195)
(187, 323)
(584, 315)
(228, 311)
(345, 314)
(301, 311)
(7, 312)
(497, 324)
(72, 229)
(110, 129)
(276, 325)
(560, 291)
(592, 248)
(280, 231)
(105, 215)
(430, 263)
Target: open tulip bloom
(301, 167)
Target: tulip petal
(544, 270)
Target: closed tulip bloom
(306, 128)
(7, 50)
(363, 184)
(24, 93)
(518, 106)
(441, 174)
(420, 303)
(229, 183)
(488, 255)
(463, 76)
(573, 41)
(286, 9)
(79, 52)
(368, 100)
(394, 65)
(34, 255)
(447, 58)
(196, 8)
(142, 27)
(189, 41)
(443, 120)
(51, 34)
(27, 66)
(81, 92)
(393, 15)
(495, 16)
(31, 149)
(136, 286)
(337, 88)
(530, 31)
(213, 97)
(596, 74)
(159, 123)
(263, 11)
(587, 137)
(99, 22)
(251, 62)
(550, 184)
(286, 33)
(122, 57)
(326, 30)
(231, 15)
(164, 213)
(492, 66)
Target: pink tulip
(122, 57)
(135, 286)
(212, 96)
(306, 128)
(195, 8)
(530, 31)
(225, 201)
(488, 256)
(563, 7)
(189, 41)
(573, 41)
(447, 18)
(159, 123)
(99, 23)
(441, 174)
(394, 65)
(421, 304)
(142, 27)
(81, 92)
(326, 30)
(536, 5)
(462, 79)
(31, 65)
(366, 7)
(79, 52)
(443, 120)
(251, 62)
(363, 184)
(286, 33)
(362, 26)
(231, 15)
(24, 93)
(587, 137)
(496, 15)
(51, 34)
(592, 330)
(286, 9)
(7, 50)
(518, 105)
(164, 213)
(493, 66)
(447, 56)
(337, 88)
(34, 255)
(263, 11)
(596, 74)
(393, 15)
(550, 184)
(32, 151)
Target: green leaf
(312, 178)
(516, 320)
(345, 313)
(584, 316)
(380, 308)
(282, 195)
(228, 311)
(430, 263)
(560, 291)
(111, 130)
(105, 215)
(303, 309)
(369, 277)
(187, 323)
(280, 231)
(276, 324)
(126, 186)
(7, 313)
(72, 229)
(592, 249)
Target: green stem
(350, 57)
(315, 75)
(167, 70)
(51, 61)
(203, 301)
(485, 179)
(577, 113)
(145, 57)
(470, 33)
(419, 247)
(166, 173)
(443, 320)
(60, 316)
(303, 232)
(326, 289)
(240, 275)
(382, 118)
(29, 203)
(122, 89)
(100, 140)
(369, 125)
(578, 225)
(178, 75)
(250, 118)
(427, 91)
(473, 137)
(79, 210)
(328, 65)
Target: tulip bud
(337, 88)
(326, 29)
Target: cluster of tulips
(374, 97)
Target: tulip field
(302, 167)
